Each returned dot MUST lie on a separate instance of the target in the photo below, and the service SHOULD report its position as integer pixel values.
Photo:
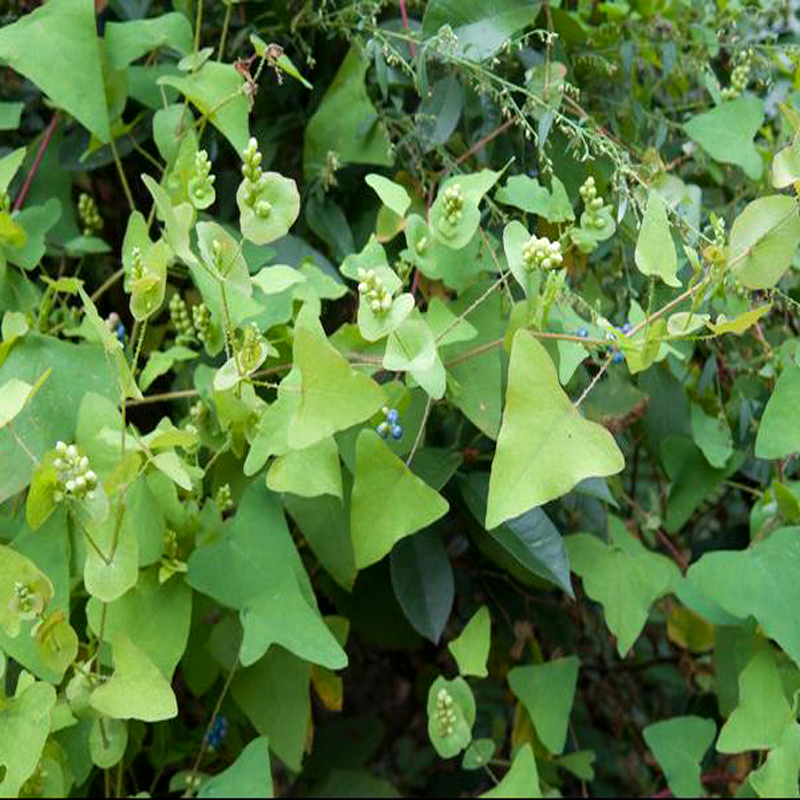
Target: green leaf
(531, 539)
(14, 395)
(778, 435)
(478, 754)
(284, 206)
(522, 780)
(108, 574)
(541, 456)
(24, 728)
(451, 715)
(624, 577)
(127, 41)
(457, 235)
(216, 90)
(547, 691)
(10, 115)
(526, 194)
(309, 472)
(159, 613)
(778, 776)
(107, 741)
(515, 237)
(655, 250)
(388, 501)
(763, 712)
(422, 579)
(726, 133)
(282, 615)
(481, 26)
(346, 122)
(392, 195)
(767, 568)
(77, 84)
(786, 165)
(9, 165)
(470, 648)
(764, 239)
(332, 395)
(37, 222)
(274, 695)
(248, 776)
(712, 435)
(136, 689)
(374, 326)
(148, 291)
(740, 323)
(679, 745)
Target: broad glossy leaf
(726, 132)
(470, 648)
(423, 584)
(136, 689)
(388, 501)
(333, 396)
(77, 84)
(764, 239)
(248, 776)
(679, 745)
(545, 446)
(655, 250)
(762, 713)
(24, 727)
(768, 569)
(547, 691)
(778, 434)
(346, 122)
(216, 91)
(522, 780)
(624, 577)
(482, 26)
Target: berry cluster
(225, 498)
(75, 478)
(541, 252)
(89, 215)
(201, 316)
(180, 319)
(201, 186)
(617, 356)
(445, 713)
(370, 286)
(218, 732)
(391, 425)
(592, 203)
(739, 79)
(453, 203)
(254, 180)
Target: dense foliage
(399, 398)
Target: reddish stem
(405, 23)
(48, 135)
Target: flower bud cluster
(445, 713)
(89, 215)
(26, 603)
(542, 253)
(75, 478)
(370, 286)
(254, 180)
(592, 203)
(180, 318)
(453, 203)
(739, 78)
(137, 263)
(201, 186)
(225, 498)
(201, 316)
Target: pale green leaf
(655, 250)
(127, 41)
(545, 446)
(451, 715)
(778, 776)
(778, 434)
(786, 165)
(470, 648)
(309, 472)
(248, 776)
(284, 206)
(392, 195)
(522, 780)
(112, 571)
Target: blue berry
(218, 732)
(582, 332)
(120, 332)
(383, 429)
(626, 328)
(397, 432)
(618, 357)
(393, 417)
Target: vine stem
(123, 179)
(420, 432)
(404, 17)
(594, 382)
(48, 135)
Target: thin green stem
(123, 179)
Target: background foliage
(399, 398)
